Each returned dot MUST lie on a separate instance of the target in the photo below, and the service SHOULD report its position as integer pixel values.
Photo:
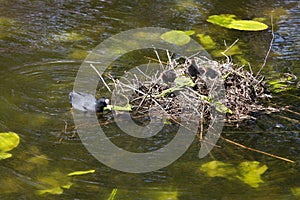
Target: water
(41, 49)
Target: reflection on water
(41, 48)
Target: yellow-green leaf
(179, 38)
(81, 172)
(190, 32)
(8, 141)
(230, 21)
(113, 194)
(206, 41)
(247, 25)
(250, 172)
(118, 108)
(55, 190)
(219, 169)
(296, 191)
(4, 155)
(221, 20)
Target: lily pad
(247, 25)
(230, 21)
(179, 38)
(8, 141)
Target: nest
(191, 89)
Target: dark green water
(42, 45)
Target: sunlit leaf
(8, 141)
(179, 38)
(53, 183)
(118, 108)
(247, 25)
(250, 172)
(220, 107)
(190, 32)
(230, 21)
(296, 191)
(206, 41)
(113, 194)
(81, 172)
(54, 190)
(219, 169)
(4, 155)
(221, 20)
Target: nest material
(187, 87)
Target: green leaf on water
(296, 191)
(247, 25)
(190, 32)
(81, 172)
(223, 20)
(230, 21)
(250, 172)
(8, 141)
(219, 169)
(113, 194)
(206, 41)
(179, 38)
(53, 183)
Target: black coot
(87, 102)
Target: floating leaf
(81, 172)
(247, 25)
(221, 20)
(229, 21)
(250, 172)
(219, 169)
(206, 41)
(54, 183)
(235, 50)
(4, 155)
(283, 83)
(296, 191)
(179, 38)
(113, 194)
(8, 141)
(190, 32)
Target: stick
(270, 47)
(258, 151)
(94, 68)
